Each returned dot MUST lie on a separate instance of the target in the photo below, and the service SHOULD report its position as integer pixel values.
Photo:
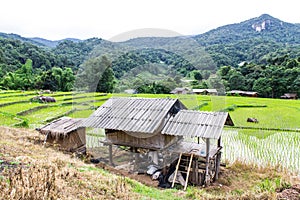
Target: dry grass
(245, 181)
(30, 171)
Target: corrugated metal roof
(190, 123)
(205, 90)
(61, 126)
(144, 115)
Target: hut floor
(192, 148)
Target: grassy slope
(34, 171)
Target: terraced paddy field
(273, 141)
(18, 109)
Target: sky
(59, 19)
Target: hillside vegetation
(157, 65)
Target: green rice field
(275, 140)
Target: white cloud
(57, 19)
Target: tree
(91, 72)
(21, 79)
(25, 74)
(263, 87)
(68, 79)
(107, 81)
(198, 76)
(236, 81)
(57, 73)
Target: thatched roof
(61, 127)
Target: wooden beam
(207, 177)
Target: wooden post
(219, 142)
(207, 177)
(136, 158)
(218, 160)
(110, 155)
(193, 177)
(196, 168)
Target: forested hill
(260, 42)
(262, 27)
(255, 40)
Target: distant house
(180, 91)
(65, 132)
(205, 91)
(243, 93)
(130, 91)
(289, 96)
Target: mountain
(51, 43)
(265, 27)
(18, 37)
(37, 41)
(253, 40)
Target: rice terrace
(259, 160)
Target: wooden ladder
(187, 173)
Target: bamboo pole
(177, 167)
(188, 173)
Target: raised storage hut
(160, 125)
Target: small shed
(180, 91)
(205, 91)
(66, 132)
(289, 96)
(243, 93)
(203, 159)
(135, 122)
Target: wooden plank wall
(157, 141)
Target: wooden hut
(180, 91)
(135, 122)
(289, 96)
(242, 93)
(202, 161)
(65, 132)
(161, 124)
(205, 91)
